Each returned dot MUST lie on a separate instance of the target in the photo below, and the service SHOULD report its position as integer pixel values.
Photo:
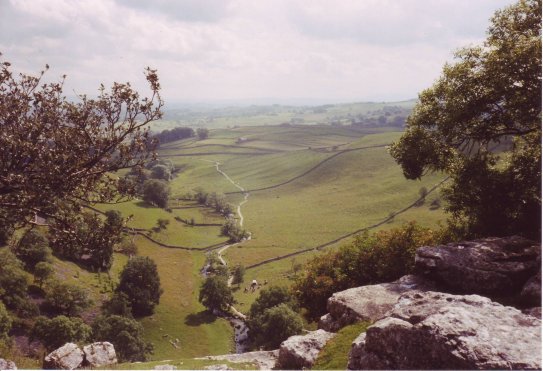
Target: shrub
(65, 298)
(57, 331)
(382, 257)
(215, 294)
(156, 192)
(5, 322)
(43, 271)
(275, 325)
(126, 335)
(32, 249)
(13, 280)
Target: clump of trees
(66, 298)
(233, 231)
(372, 258)
(140, 282)
(217, 201)
(174, 134)
(55, 332)
(156, 192)
(481, 124)
(202, 133)
(215, 293)
(32, 249)
(273, 318)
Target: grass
(335, 354)
(181, 364)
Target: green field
(309, 186)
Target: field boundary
(326, 244)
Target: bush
(65, 298)
(141, 284)
(32, 249)
(118, 304)
(126, 335)
(5, 322)
(382, 257)
(215, 294)
(238, 274)
(13, 281)
(275, 325)
(55, 332)
(43, 271)
(202, 133)
(234, 233)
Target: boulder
(100, 354)
(495, 267)
(367, 303)
(432, 330)
(7, 364)
(301, 351)
(67, 357)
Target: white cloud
(214, 49)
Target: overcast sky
(220, 50)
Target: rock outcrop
(368, 303)
(100, 354)
(165, 367)
(432, 330)
(265, 360)
(67, 357)
(301, 351)
(495, 267)
(7, 364)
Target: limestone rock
(67, 357)
(301, 351)
(7, 364)
(264, 360)
(165, 367)
(432, 330)
(531, 292)
(493, 266)
(222, 366)
(367, 303)
(100, 354)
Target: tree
(234, 232)
(140, 282)
(275, 325)
(161, 172)
(65, 298)
(13, 280)
(126, 335)
(156, 192)
(57, 331)
(269, 298)
(162, 224)
(5, 322)
(32, 249)
(238, 274)
(117, 305)
(69, 150)
(215, 294)
(90, 240)
(202, 133)
(42, 272)
(481, 124)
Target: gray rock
(368, 303)
(432, 330)
(264, 360)
(100, 354)
(495, 267)
(222, 366)
(531, 292)
(165, 367)
(301, 351)
(7, 364)
(67, 357)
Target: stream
(237, 320)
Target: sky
(266, 51)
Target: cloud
(238, 49)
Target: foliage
(238, 274)
(161, 172)
(382, 257)
(66, 298)
(13, 281)
(118, 304)
(32, 249)
(69, 150)
(5, 322)
(481, 123)
(90, 240)
(268, 325)
(275, 325)
(174, 134)
(335, 354)
(162, 223)
(234, 232)
(156, 192)
(215, 293)
(202, 133)
(55, 332)
(140, 282)
(128, 247)
(126, 335)
(42, 272)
